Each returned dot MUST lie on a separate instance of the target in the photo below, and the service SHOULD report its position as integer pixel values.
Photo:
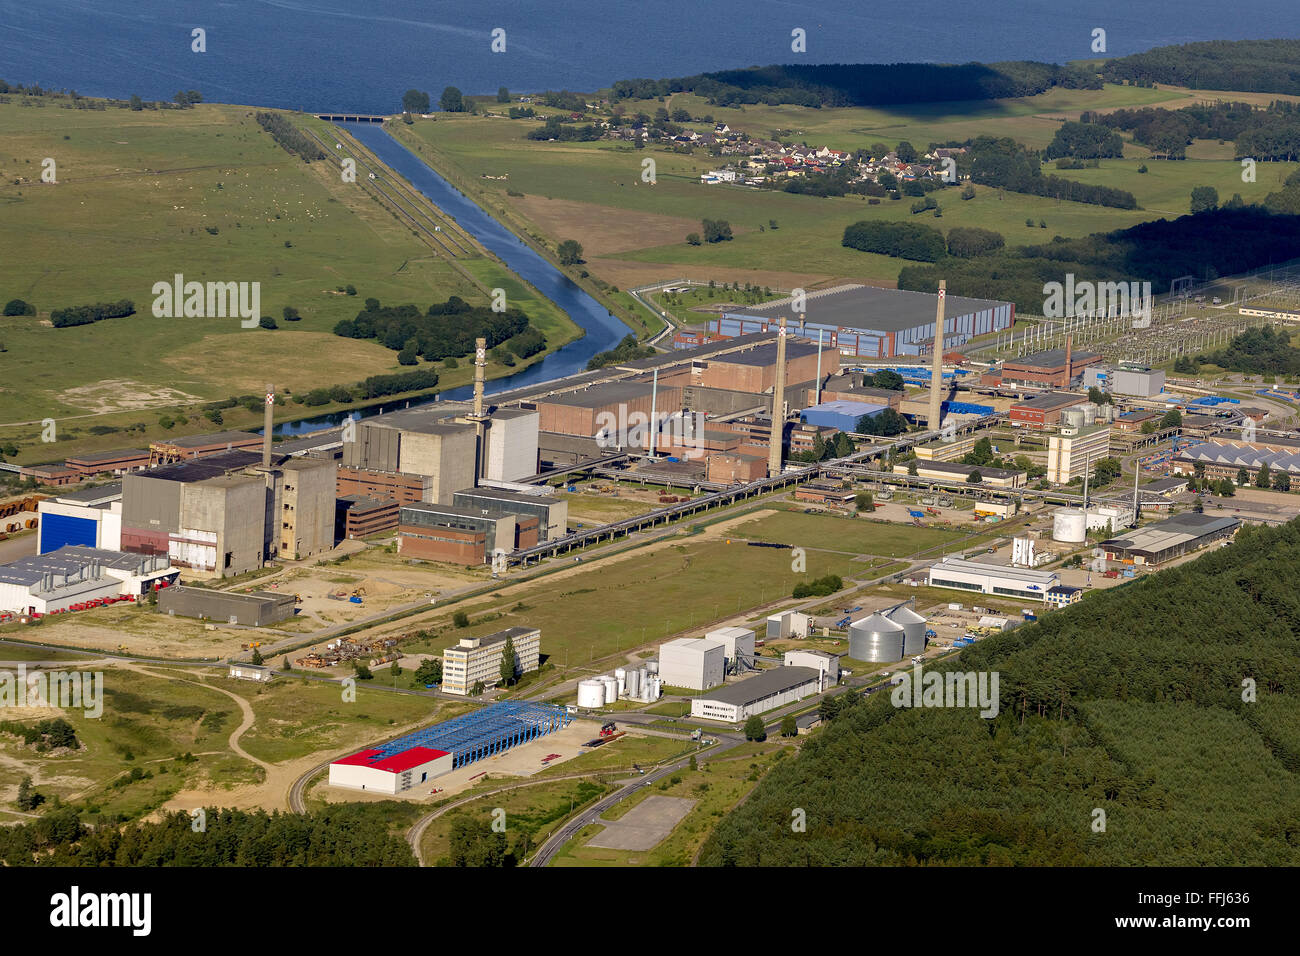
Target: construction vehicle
(608, 728)
(934, 511)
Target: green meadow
(206, 193)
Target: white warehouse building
(694, 663)
(963, 575)
(735, 641)
(372, 771)
(90, 517)
(767, 691)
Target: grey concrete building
(258, 609)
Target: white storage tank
(1073, 417)
(633, 683)
(652, 667)
(620, 675)
(611, 689)
(1070, 525)
(591, 694)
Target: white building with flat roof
(1075, 451)
(693, 663)
(757, 695)
(380, 772)
(736, 641)
(478, 659)
(824, 661)
(962, 575)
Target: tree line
(1256, 66)
(86, 314)
(289, 137)
(1217, 242)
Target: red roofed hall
(382, 772)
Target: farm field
(205, 193)
(633, 232)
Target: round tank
(652, 667)
(1069, 524)
(913, 629)
(1072, 417)
(633, 683)
(611, 689)
(876, 639)
(591, 694)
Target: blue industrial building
(839, 414)
(483, 732)
(858, 320)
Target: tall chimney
(267, 425)
(654, 415)
(778, 407)
(480, 432)
(936, 373)
(1069, 369)
(817, 394)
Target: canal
(603, 331)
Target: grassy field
(531, 813)
(592, 613)
(716, 787)
(295, 718)
(147, 723)
(1165, 188)
(142, 196)
(831, 533)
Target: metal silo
(620, 675)
(611, 688)
(876, 639)
(633, 683)
(913, 629)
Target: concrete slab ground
(644, 826)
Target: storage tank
(652, 667)
(1072, 417)
(620, 675)
(913, 625)
(1069, 524)
(876, 639)
(633, 683)
(591, 694)
(611, 689)
(1106, 413)
(656, 688)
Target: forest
(1266, 350)
(906, 240)
(1255, 66)
(289, 137)
(445, 330)
(1269, 133)
(342, 835)
(1154, 726)
(865, 84)
(1208, 244)
(1004, 163)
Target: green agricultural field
(1165, 189)
(634, 231)
(1031, 119)
(143, 196)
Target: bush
(902, 239)
(19, 307)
